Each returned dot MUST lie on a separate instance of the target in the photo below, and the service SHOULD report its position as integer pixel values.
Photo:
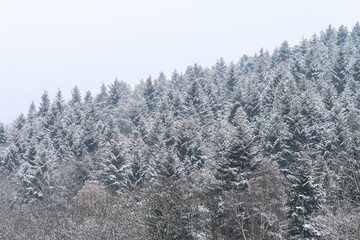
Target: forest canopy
(264, 148)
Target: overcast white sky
(45, 45)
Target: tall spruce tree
(339, 71)
(304, 196)
(240, 158)
(169, 203)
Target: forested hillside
(264, 148)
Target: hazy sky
(51, 44)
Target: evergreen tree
(44, 104)
(219, 72)
(231, 77)
(17, 135)
(284, 52)
(75, 110)
(11, 160)
(137, 167)
(137, 175)
(169, 205)
(339, 72)
(88, 99)
(160, 85)
(252, 102)
(329, 96)
(102, 100)
(119, 98)
(356, 70)
(262, 63)
(312, 64)
(32, 112)
(55, 114)
(240, 158)
(275, 140)
(91, 129)
(329, 37)
(119, 93)
(342, 35)
(113, 172)
(27, 176)
(304, 197)
(149, 94)
(194, 72)
(114, 160)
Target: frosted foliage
(266, 147)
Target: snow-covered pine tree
(44, 104)
(339, 71)
(169, 202)
(240, 158)
(304, 196)
(113, 158)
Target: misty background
(46, 45)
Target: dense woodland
(264, 148)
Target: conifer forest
(267, 147)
